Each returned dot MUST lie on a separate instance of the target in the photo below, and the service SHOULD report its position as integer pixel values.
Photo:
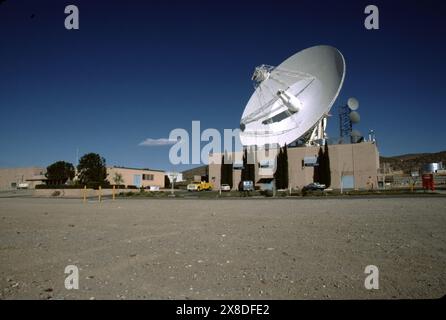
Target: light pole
(173, 177)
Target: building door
(348, 182)
(137, 180)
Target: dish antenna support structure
(348, 115)
(291, 101)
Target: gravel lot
(223, 249)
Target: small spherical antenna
(353, 104)
(354, 117)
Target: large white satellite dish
(291, 101)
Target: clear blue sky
(138, 69)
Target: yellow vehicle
(199, 186)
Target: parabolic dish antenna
(291, 101)
(354, 117)
(353, 104)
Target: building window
(148, 177)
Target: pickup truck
(199, 186)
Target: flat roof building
(13, 178)
(351, 166)
(136, 177)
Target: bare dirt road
(223, 249)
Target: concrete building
(136, 177)
(352, 166)
(13, 178)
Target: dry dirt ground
(223, 249)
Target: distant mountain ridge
(412, 161)
(189, 175)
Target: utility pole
(172, 177)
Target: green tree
(281, 173)
(92, 170)
(226, 170)
(325, 172)
(322, 172)
(244, 173)
(117, 178)
(278, 172)
(317, 168)
(248, 171)
(285, 168)
(166, 182)
(59, 172)
(229, 173)
(252, 172)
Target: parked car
(225, 187)
(314, 186)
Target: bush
(267, 193)
(132, 187)
(96, 185)
(60, 186)
(128, 194)
(55, 193)
(75, 186)
(306, 192)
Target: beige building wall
(128, 176)
(360, 160)
(298, 175)
(13, 176)
(214, 169)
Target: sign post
(173, 177)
